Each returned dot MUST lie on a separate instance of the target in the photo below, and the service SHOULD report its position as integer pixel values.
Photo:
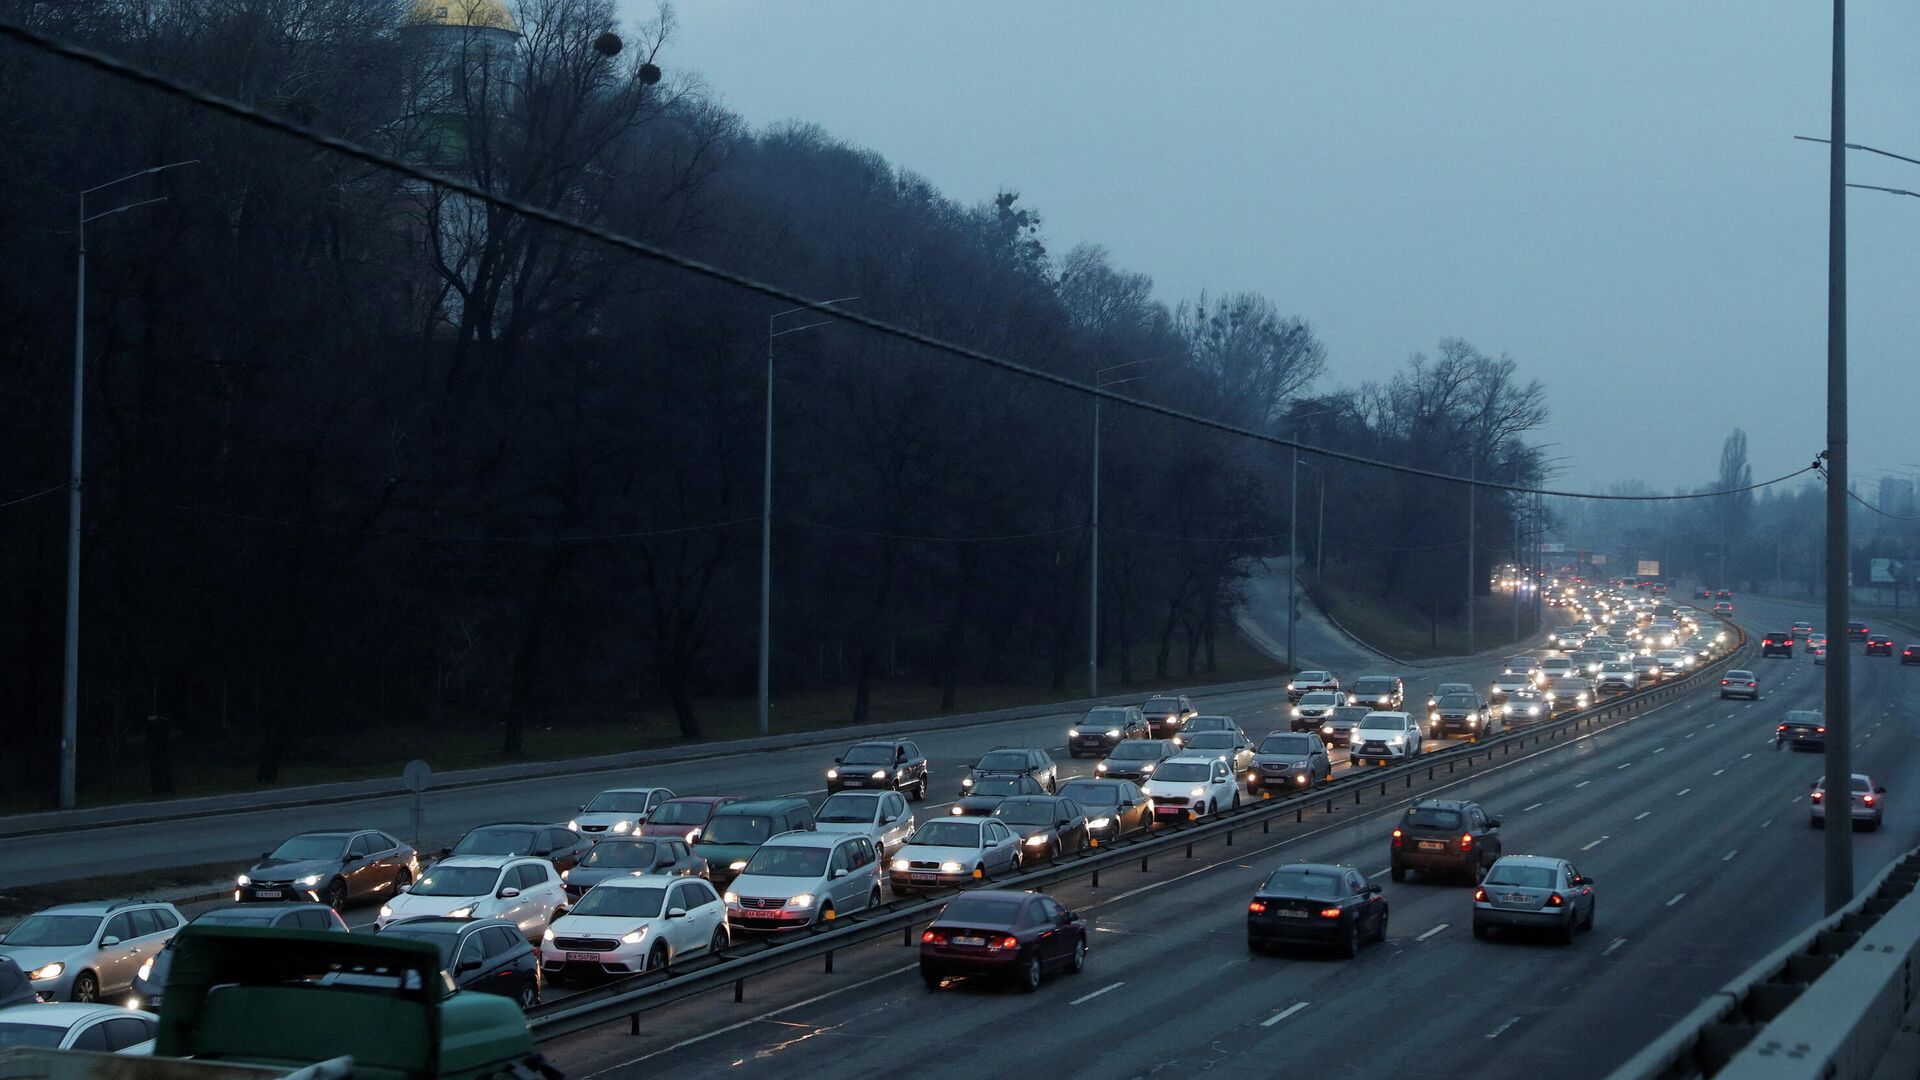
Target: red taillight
(1818, 795)
(1329, 912)
(1821, 730)
(1782, 727)
(931, 938)
(1868, 800)
(1723, 682)
(1257, 907)
(1556, 900)
(1396, 838)
(1466, 841)
(1480, 894)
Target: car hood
(1180, 788)
(612, 926)
(1297, 761)
(33, 957)
(862, 828)
(765, 886)
(931, 853)
(411, 905)
(723, 854)
(605, 820)
(289, 869)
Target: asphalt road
(1693, 827)
(242, 837)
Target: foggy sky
(1609, 193)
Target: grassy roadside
(1386, 626)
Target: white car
(1384, 737)
(1674, 660)
(1509, 683)
(1199, 784)
(1869, 802)
(630, 924)
(105, 1029)
(1306, 682)
(1553, 669)
(1617, 677)
(618, 812)
(880, 816)
(524, 890)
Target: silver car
(1869, 802)
(880, 816)
(89, 952)
(103, 1029)
(800, 879)
(1533, 892)
(948, 851)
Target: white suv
(1384, 737)
(524, 890)
(1197, 784)
(629, 924)
(798, 879)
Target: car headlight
(1198, 793)
(1038, 839)
(1073, 733)
(737, 864)
(879, 774)
(730, 897)
(1296, 710)
(802, 900)
(1099, 822)
(50, 971)
(243, 880)
(1326, 729)
(966, 781)
(949, 867)
(623, 826)
(1113, 733)
(1100, 766)
(833, 774)
(634, 937)
(1473, 721)
(461, 913)
(574, 824)
(956, 811)
(901, 865)
(1147, 768)
(146, 970)
(548, 935)
(1289, 686)
(310, 880)
(386, 911)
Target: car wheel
(931, 979)
(337, 895)
(1399, 873)
(827, 914)
(529, 994)
(657, 959)
(1213, 808)
(718, 942)
(400, 881)
(1030, 975)
(1480, 930)
(1079, 961)
(1587, 924)
(1380, 932)
(86, 988)
(873, 899)
(1236, 800)
(1566, 932)
(920, 794)
(1350, 947)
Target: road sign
(1649, 568)
(1887, 571)
(418, 775)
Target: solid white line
(1681, 792)
(1617, 942)
(1583, 783)
(1642, 815)
(1728, 857)
(1097, 993)
(1380, 871)
(1595, 844)
(1431, 932)
(1283, 1014)
(1677, 897)
(1496, 1032)
(1530, 809)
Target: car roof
(636, 881)
(263, 912)
(1311, 868)
(1193, 759)
(514, 825)
(809, 839)
(440, 924)
(1371, 713)
(1440, 804)
(631, 790)
(761, 806)
(1531, 860)
(877, 742)
(100, 907)
(704, 798)
(1029, 799)
(63, 1014)
(493, 862)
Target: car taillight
(1723, 682)
(931, 938)
(1782, 727)
(1396, 838)
(1480, 894)
(1257, 907)
(1818, 795)
(1556, 900)
(1868, 799)
(1821, 730)
(1329, 912)
(1466, 841)
(1009, 942)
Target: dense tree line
(365, 455)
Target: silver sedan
(1533, 892)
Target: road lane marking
(1677, 897)
(1595, 844)
(1681, 792)
(1642, 815)
(1283, 1014)
(1746, 755)
(1766, 823)
(1583, 783)
(1089, 997)
(1626, 765)
(1660, 750)
(1728, 857)
(1530, 809)
(1617, 942)
(1717, 772)
(1431, 932)
(1380, 871)
(1497, 1032)
(1691, 734)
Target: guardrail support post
(906, 932)
(1143, 863)
(1096, 877)
(829, 961)
(739, 991)
(1189, 849)
(1266, 826)
(1229, 837)
(633, 1024)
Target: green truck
(242, 1002)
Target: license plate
(969, 941)
(267, 894)
(924, 877)
(1515, 898)
(1291, 914)
(1433, 845)
(583, 958)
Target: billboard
(1648, 568)
(1886, 571)
(1597, 559)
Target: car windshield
(1303, 883)
(620, 855)
(306, 848)
(1318, 697)
(1007, 760)
(1089, 793)
(1615, 667)
(980, 911)
(1286, 744)
(737, 829)
(1104, 718)
(1374, 686)
(495, 842)
(1161, 706)
(1138, 750)
(1390, 724)
(623, 901)
(848, 808)
(1211, 740)
(947, 833)
(442, 942)
(1181, 772)
(31, 1035)
(446, 880)
(1430, 817)
(55, 930)
(868, 754)
(999, 785)
(1025, 812)
(618, 802)
(1526, 877)
(1312, 676)
(682, 813)
(802, 862)
(1458, 701)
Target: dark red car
(1879, 645)
(998, 932)
(1910, 655)
(683, 818)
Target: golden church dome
(487, 14)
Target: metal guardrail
(627, 998)
(1823, 1005)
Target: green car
(736, 831)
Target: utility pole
(1839, 743)
(1473, 468)
(1519, 573)
(1293, 550)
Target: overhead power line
(35, 495)
(248, 114)
(1851, 494)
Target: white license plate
(1516, 898)
(267, 894)
(969, 941)
(583, 958)
(925, 877)
(1433, 845)
(1291, 914)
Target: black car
(1047, 825)
(1857, 630)
(986, 793)
(556, 843)
(1779, 643)
(1382, 693)
(1460, 714)
(1316, 904)
(1287, 761)
(335, 866)
(1012, 761)
(14, 987)
(1445, 836)
(150, 981)
(1136, 759)
(1803, 729)
(1910, 654)
(488, 955)
(881, 763)
(1879, 645)
(642, 855)
(1166, 714)
(1105, 728)
(1114, 808)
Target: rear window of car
(1429, 817)
(1861, 783)
(1303, 883)
(1004, 759)
(981, 911)
(1527, 877)
(1161, 705)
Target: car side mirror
(836, 761)
(1374, 890)
(583, 808)
(1126, 804)
(469, 965)
(677, 913)
(543, 851)
(508, 893)
(1881, 790)
(1493, 823)
(345, 859)
(840, 873)
(104, 942)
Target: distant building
(1896, 495)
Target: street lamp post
(1100, 381)
(766, 513)
(1839, 751)
(70, 675)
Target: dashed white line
(1089, 997)
(1595, 844)
(1380, 871)
(1766, 823)
(1746, 755)
(1624, 765)
(1643, 815)
(1717, 772)
(1681, 792)
(1583, 783)
(1617, 942)
(1497, 1032)
(1531, 809)
(1431, 932)
(1728, 857)
(1691, 734)
(1661, 750)
(1283, 1014)
(1677, 897)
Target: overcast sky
(1607, 192)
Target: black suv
(1857, 630)
(1780, 643)
(881, 763)
(557, 843)
(1460, 714)
(1013, 761)
(1166, 714)
(1444, 836)
(1382, 693)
